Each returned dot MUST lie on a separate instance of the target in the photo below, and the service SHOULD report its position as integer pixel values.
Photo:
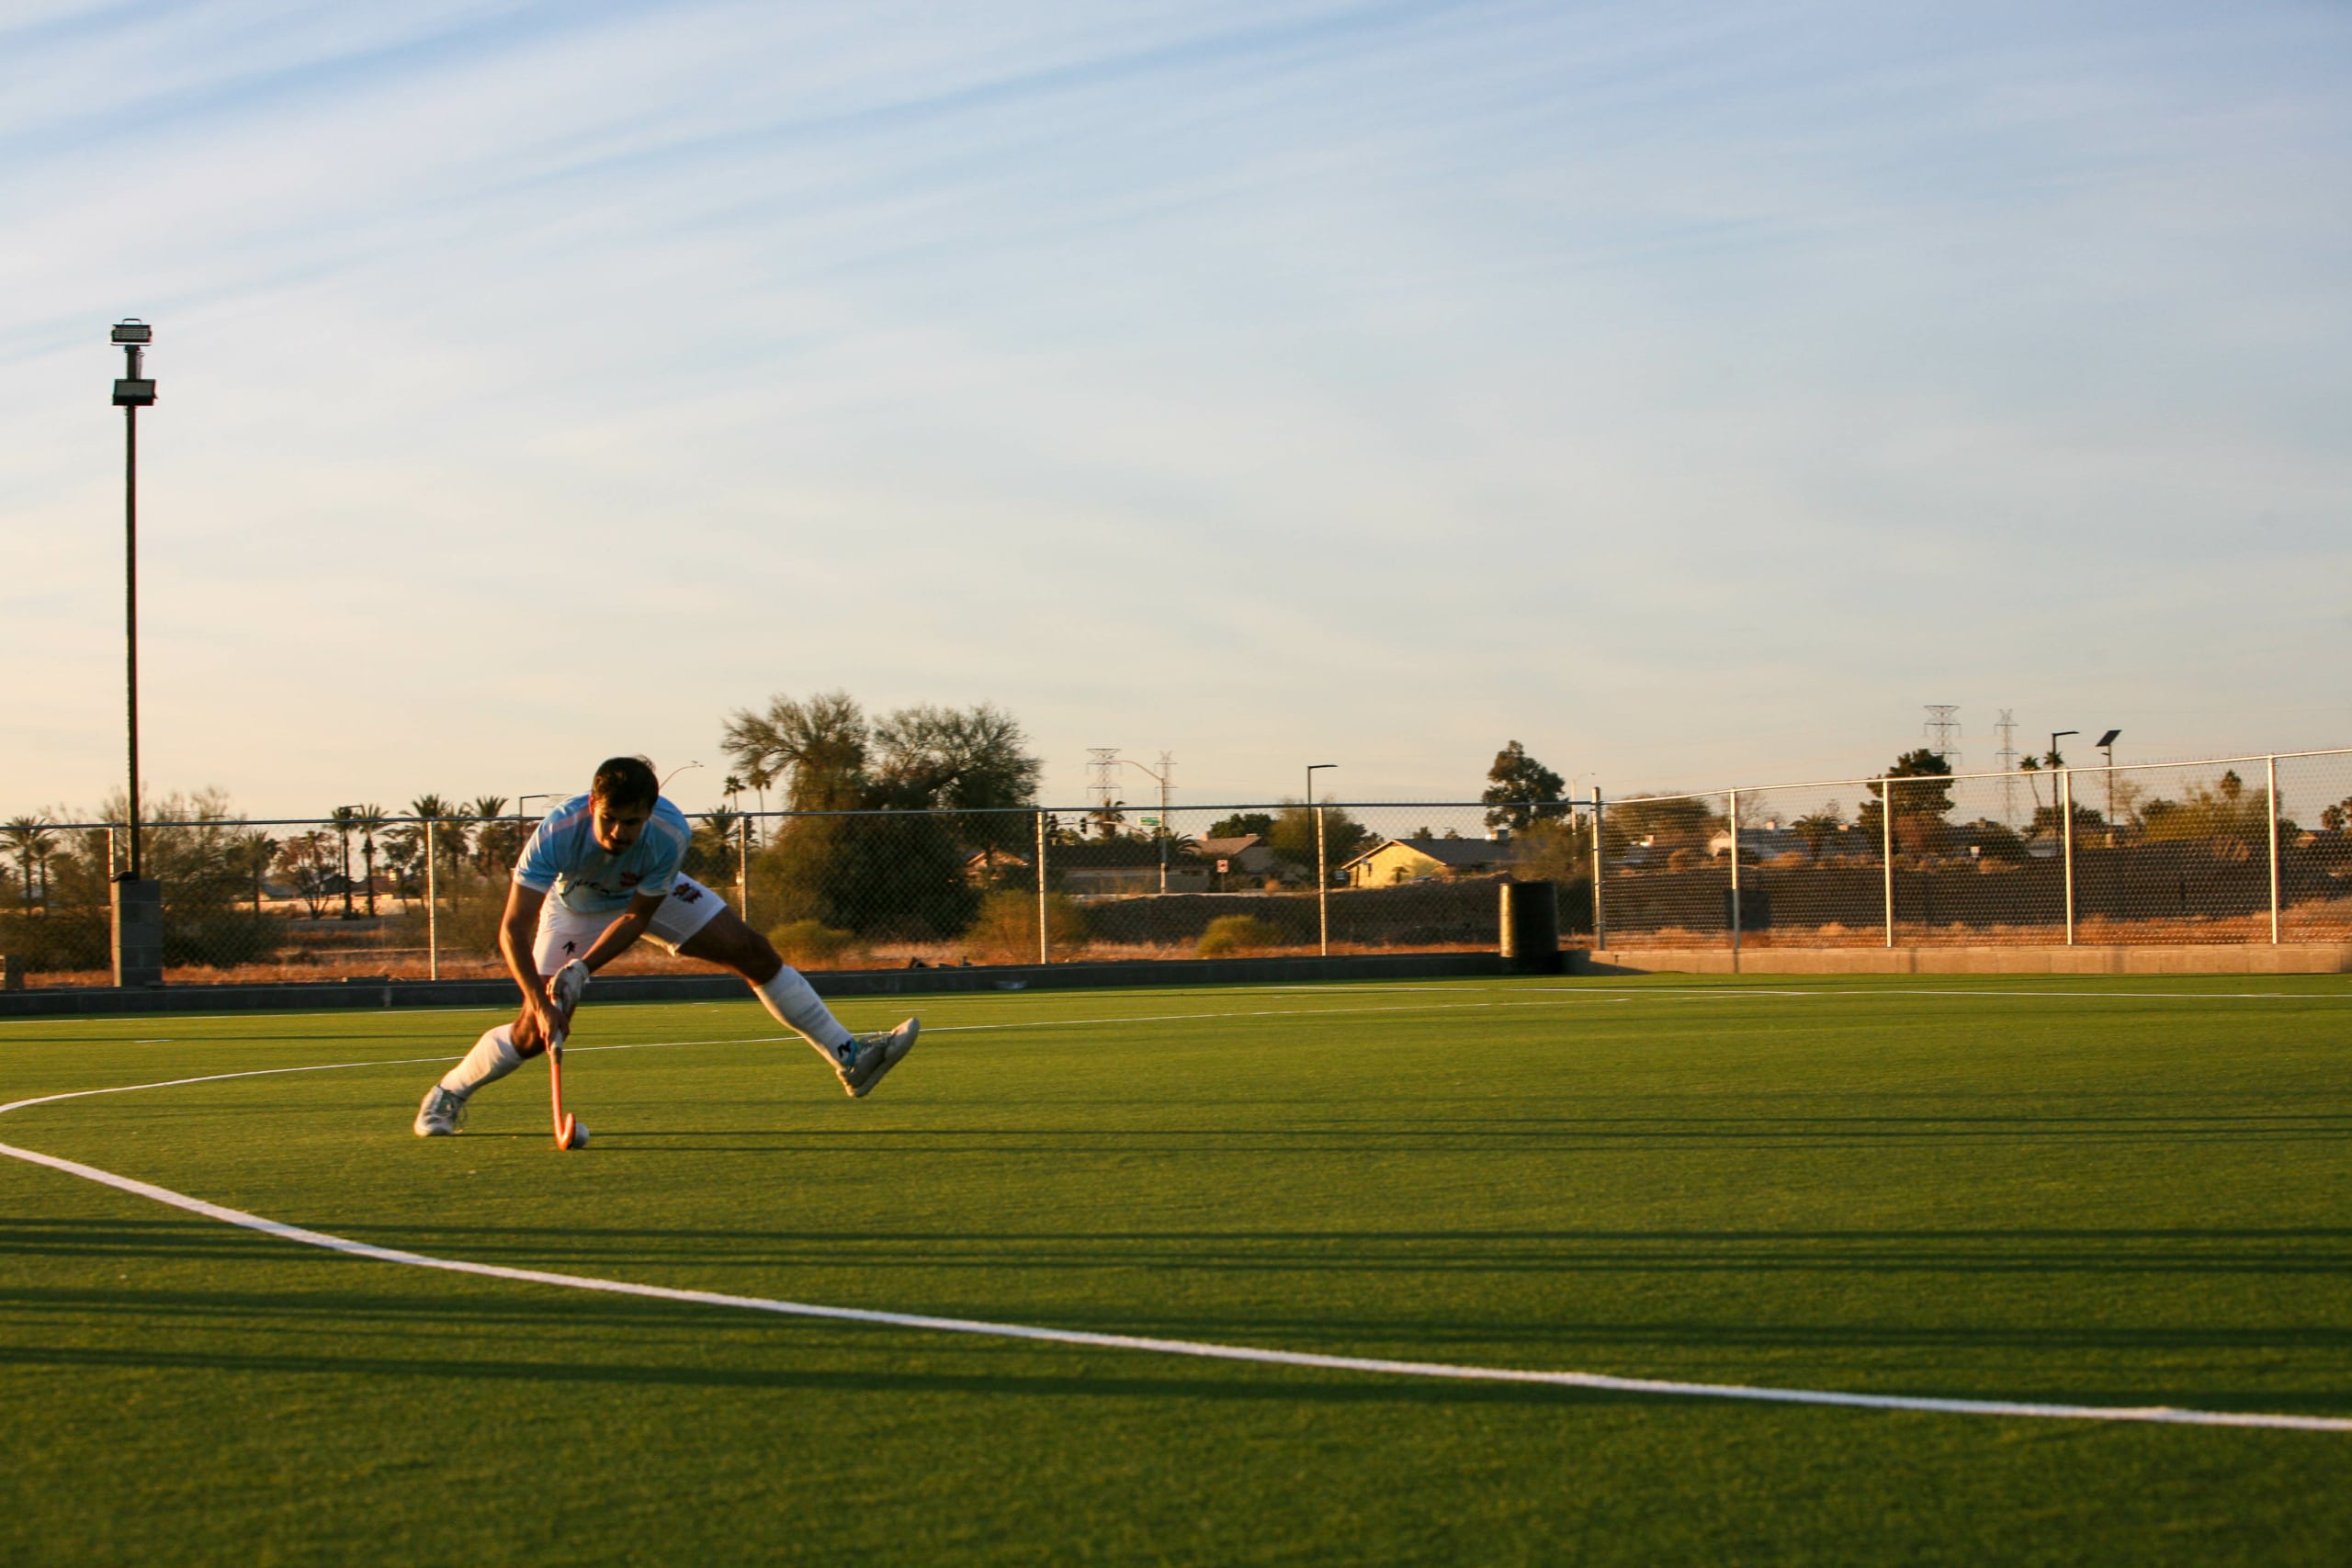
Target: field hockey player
(601, 871)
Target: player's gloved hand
(564, 989)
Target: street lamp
(1322, 878)
(2055, 760)
(138, 904)
(1161, 779)
(2107, 743)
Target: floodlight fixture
(130, 328)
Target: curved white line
(1199, 1349)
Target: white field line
(1195, 1348)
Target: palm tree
(344, 819)
(370, 820)
(251, 852)
(1817, 829)
(32, 839)
(493, 840)
(448, 838)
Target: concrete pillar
(138, 910)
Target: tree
(445, 838)
(253, 852)
(1918, 809)
(1555, 849)
(819, 747)
(345, 818)
(1520, 790)
(1241, 824)
(1818, 828)
(974, 761)
(1293, 837)
(1665, 822)
(497, 838)
(33, 840)
(951, 780)
(309, 861)
(2225, 810)
(370, 820)
(712, 853)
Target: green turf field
(2115, 1193)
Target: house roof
(1458, 853)
(1226, 848)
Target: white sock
(798, 1006)
(493, 1058)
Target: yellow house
(1392, 861)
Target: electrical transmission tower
(1942, 730)
(2006, 760)
(1103, 780)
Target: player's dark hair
(626, 781)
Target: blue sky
(1691, 392)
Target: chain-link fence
(2250, 849)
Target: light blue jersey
(563, 857)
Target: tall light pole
(134, 390)
(138, 904)
(1322, 878)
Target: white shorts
(566, 934)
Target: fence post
(1886, 846)
(2066, 843)
(1322, 888)
(1734, 881)
(432, 900)
(1600, 875)
(2271, 780)
(744, 866)
(1045, 949)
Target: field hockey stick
(564, 1124)
(568, 984)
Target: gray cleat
(440, 1114)
(877, 1055)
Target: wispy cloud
(1687, 392)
